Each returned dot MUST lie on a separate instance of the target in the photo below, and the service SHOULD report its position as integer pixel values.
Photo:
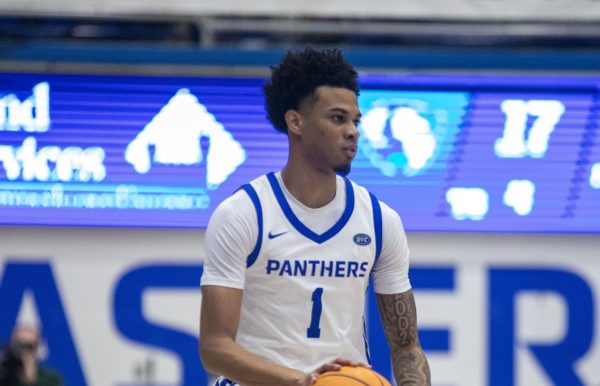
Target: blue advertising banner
(449, 152)
(128, 151)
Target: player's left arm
(399, 316)
(397, 304)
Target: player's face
(331, 134)
(25, 341)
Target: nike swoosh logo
(272, 236)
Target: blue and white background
(120, 306)
(106, 183)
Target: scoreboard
(448, 152)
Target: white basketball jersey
(304, 293)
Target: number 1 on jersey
(313, 331)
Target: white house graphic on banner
(175, 133)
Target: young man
(288, 256)
(20, 365)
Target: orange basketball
(351, 376)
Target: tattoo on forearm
(399, 317)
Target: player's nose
(352, 131)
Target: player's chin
(343, 169)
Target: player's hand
(334, 365)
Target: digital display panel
(451, 152)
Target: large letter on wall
(557, 359)
(131, 323)
(434, 279)
(37, 279)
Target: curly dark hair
(299, 75)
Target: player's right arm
(222, 355)
(230, 237)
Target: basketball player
(288, 256)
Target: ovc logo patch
(362, 239)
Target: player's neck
(314, 188)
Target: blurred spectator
(19, 364)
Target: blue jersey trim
(259, 217)
(225, 382)
(377, 223)
(303, 229)
(367, 351)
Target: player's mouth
(350, 151)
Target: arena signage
(448, 152)
(507, 286)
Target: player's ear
(294, 121)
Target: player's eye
(338, 118)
